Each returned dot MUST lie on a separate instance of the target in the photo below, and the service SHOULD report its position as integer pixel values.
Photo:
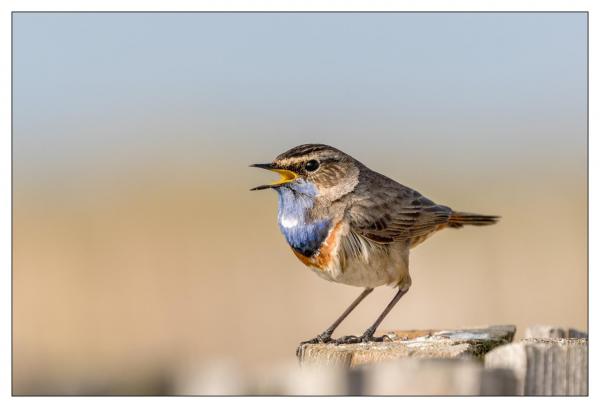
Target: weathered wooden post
(419, 362)
(552, 365)
(414, 343)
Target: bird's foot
(367, 337)
(321, 338)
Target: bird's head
(314, 169)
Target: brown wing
(389, 212)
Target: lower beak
(286, 176)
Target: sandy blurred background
(140, 256)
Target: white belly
(370, 267)
(377, 272)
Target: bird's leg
(368, 334)
(325, 337)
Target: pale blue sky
(484, 88)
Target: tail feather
(459, 219)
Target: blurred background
(140, 257)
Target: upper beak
(286, 176)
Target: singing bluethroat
(352, 225)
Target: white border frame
(7, 6)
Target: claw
(381, 339)
(326, 338)
(365, 338)
(321, 338)
(348, 340)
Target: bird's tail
(459, 219)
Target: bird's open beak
(286, 176)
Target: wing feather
(389, 212)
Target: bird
(354, 226)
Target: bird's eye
(311, 165)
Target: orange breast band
(323, 257)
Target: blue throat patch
(302, 234)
